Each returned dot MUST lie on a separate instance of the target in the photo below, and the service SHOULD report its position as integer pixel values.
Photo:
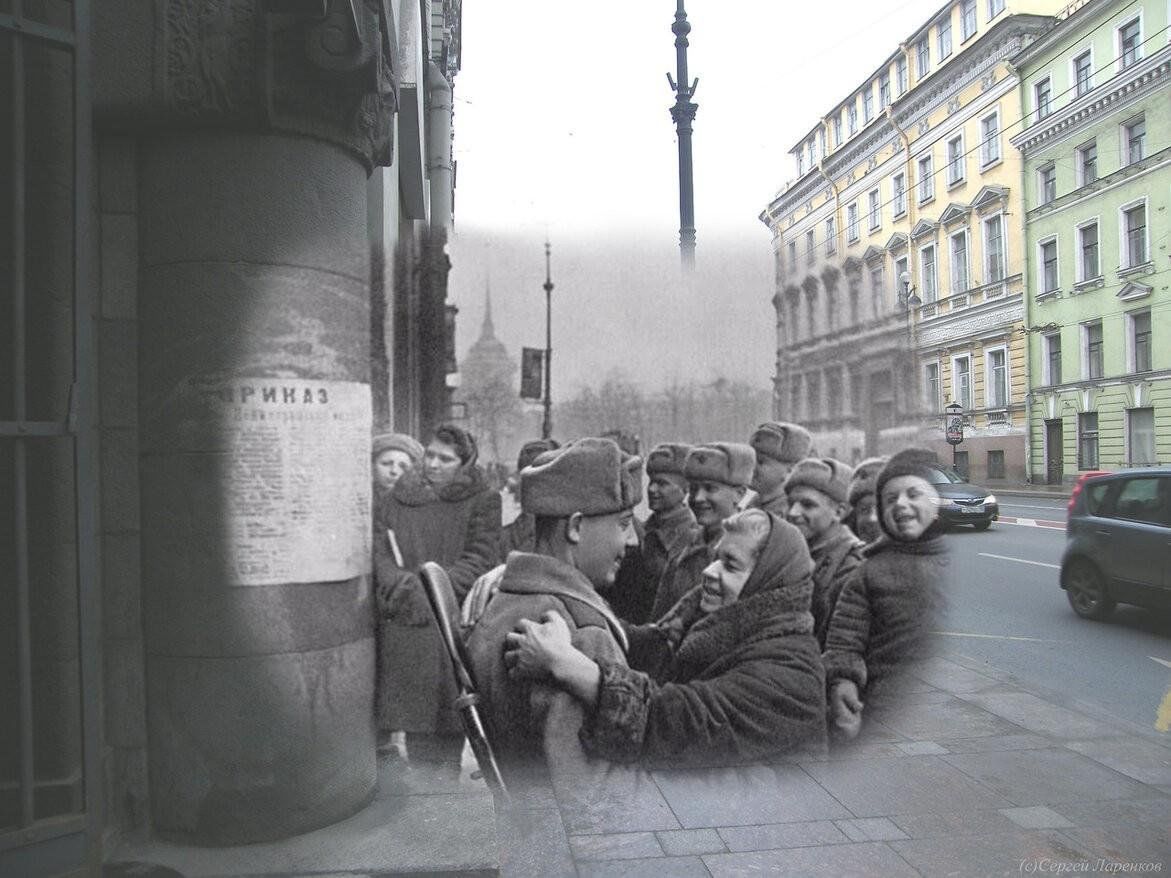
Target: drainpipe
(1028, 302)
(439, 149)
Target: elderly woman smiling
(730, 675)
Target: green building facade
(1096, 144)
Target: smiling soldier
(582, 498)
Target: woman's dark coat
(738, 685)
(458, 527)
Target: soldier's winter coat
(836, 557)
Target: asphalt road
(1007, 609)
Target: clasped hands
(845, 707)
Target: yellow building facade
(899, 250)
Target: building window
(838, 130)
(994, 248)
(901, 74)
(996, 394)
(1049, 266)
(813, 394)
(1130, 43)
(868, 103)
(852, 118)
(1046, 183)
(959, 262)
(899, 184)
(821, 151)
(961, 371)
(1087, 163)
(1043, 98)
(1134, 141)
(793, 256)
(884, 91)
(831, 237)
(1140, 341)
(1140, 432)
(927, 273)
(996, 464)
(931, 387)
(1083, 72)
(852, 222)
(926, 180)
(995, 7)
(800, 162)
(1095, 367)
(812, 159)
(901, 268)
(876, 282)
(1087, 440)
(1087, 242)
(955, 160)
(810, 247)
(1053, 359)
(967, 18)
(795, 397)
(944, 36)
(990, 139)
(1134, 229)
(922, 57)
(875, 210)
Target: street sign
(954, 423)
(532, 373)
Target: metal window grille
(996, 464)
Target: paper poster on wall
(298, 479)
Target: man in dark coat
(582, 498)
(670, 526)
(739, 677)
(885, 612)
(816, 491)
(778, 446)
(717, 480)
(446, 514)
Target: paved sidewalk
(973, 775)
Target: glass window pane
(56, 13)
(49, 246)
(52, 552)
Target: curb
(1032, 522)
(1037, 495)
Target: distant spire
(487, 331)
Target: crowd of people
(766, 605)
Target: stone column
(256, 133)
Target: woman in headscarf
(730, 675)
(445, 513)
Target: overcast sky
(562, 128)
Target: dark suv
(1118, 541)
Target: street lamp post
(683, 112)
(547, 423)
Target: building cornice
(1146, 76)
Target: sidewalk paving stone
(945, 674)
(782, 835)
(999, 854)
(624, 800)
(691, 842)
(1038, 715)
(1041, 777)
(615, 846)
(871, 829)
(1145, 809)
(747, 796)
(866, 858)
(954, 823)
(854, 750)
(902, 786)
(533, 844)
(1143, 760)
(991, 743)
(1036, 817)
(928, 722)
(662, 867)
(922, 748)
(1125, 842)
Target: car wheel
(982, 525)
(1086, 591)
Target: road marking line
(1019, 560)
(997, 637)
(1023, 506)
(1163, 662)
(1032, 522)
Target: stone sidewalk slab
(1035, 714)
(663, 867)
(615, 846)
(1001, 854)
(924, 722)
(1036, 817)
(782, 835)
(1041, 777)
(866, 858)
(1144, 761)
(691, 842)
(1126, 842)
